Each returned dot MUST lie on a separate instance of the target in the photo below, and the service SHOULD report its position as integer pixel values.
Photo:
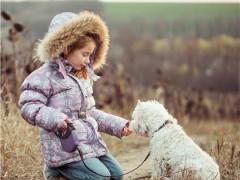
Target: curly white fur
(174, 155)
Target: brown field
(21, 154)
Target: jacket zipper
(81, 91)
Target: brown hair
(79, 44)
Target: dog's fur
(174, 155)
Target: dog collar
(162, 126)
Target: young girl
(60, 92)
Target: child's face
(79, 58)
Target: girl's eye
(85, 54)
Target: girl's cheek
(81, 60)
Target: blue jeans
(106, 165)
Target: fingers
(68, 121)
(127, 131)
(63, 127)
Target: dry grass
(20, 149)
(21, 154)
(222, 141)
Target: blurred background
(185, 55)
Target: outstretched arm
(110, 124)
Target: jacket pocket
(80, 131)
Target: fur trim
(53, 44)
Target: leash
(69, 145)
(81, 155)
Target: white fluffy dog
(174, 155)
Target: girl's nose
(87, 61)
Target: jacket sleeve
(34, 97)
(109, 123)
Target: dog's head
(149, 116)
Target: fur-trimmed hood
(71, 29)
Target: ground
(129, 162)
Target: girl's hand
(63, 127)
(127, 131)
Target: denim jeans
(106, 165)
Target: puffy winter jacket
(51, 94)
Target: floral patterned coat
(51, 94)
